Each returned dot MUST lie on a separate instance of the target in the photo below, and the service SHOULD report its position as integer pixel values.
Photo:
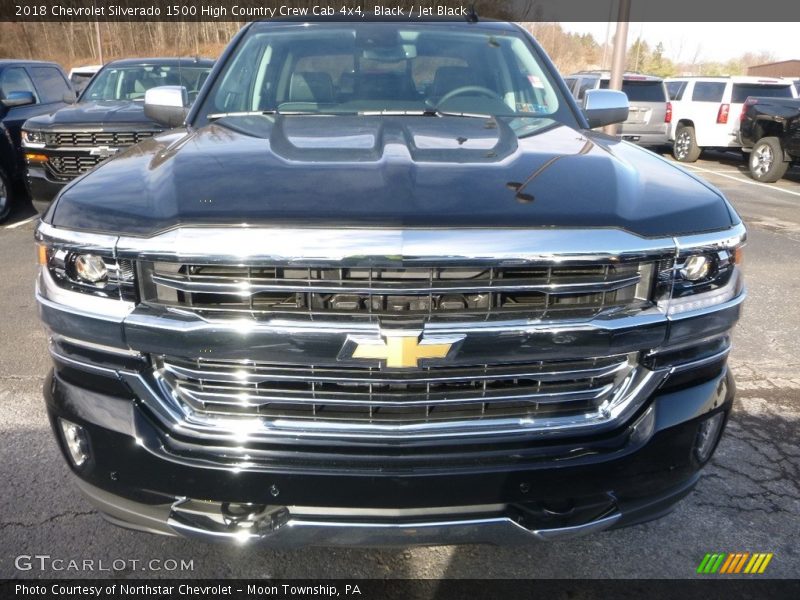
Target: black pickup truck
(770, 132)
(383, 284)
(108, 117)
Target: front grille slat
(89, 139)
(251, 374)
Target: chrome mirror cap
(604, 107)
(167, 105)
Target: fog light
(90, 268)
(76, 440)
(707, 435)
(696, 267)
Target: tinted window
(675, 89)
(708, 91)
(131, 82)
(347, 68)
(15, 79)
(644, 91)
(742, 90)
(51, 84)
(570, 83)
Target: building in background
(783, 68)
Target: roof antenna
(472, 15)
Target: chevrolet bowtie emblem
(401, 349)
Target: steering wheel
(466, 89)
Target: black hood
(103, 113)
(389, 171)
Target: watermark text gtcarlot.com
(46, 562)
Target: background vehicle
(770, 132)
(386, 286)
(27, 88)
(648, 116)
(81, 76)
(706, 110)
(108, 117)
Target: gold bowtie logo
(402, 349)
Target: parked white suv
(706, 110)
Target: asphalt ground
(748, 499)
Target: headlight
(96, 272)
(701, 278)
(33, 139)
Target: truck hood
(433, 172)
(105, 113)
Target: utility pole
(618, 56)
(99, 41)
(97, 35)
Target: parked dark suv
(108, 117)
(27, 89)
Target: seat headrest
(311, 86)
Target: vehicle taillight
(668, 114)
(722, 115)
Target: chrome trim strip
(249, 245)
(246, 288)
(254, 401)
(83, 366)
(259, 373)
(700, 362)
(75, 240)
(127, 352)
(717, 240)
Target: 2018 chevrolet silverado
(384, 285)
(108, 117)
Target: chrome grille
(71, 166)
(545, 389)
(90, 139)
(388, 292)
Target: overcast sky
(715, 41)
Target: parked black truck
(108, 117)
(27, 88)
(385, 286)
(770, 132)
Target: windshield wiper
(428, 112)
(252, 113)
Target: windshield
(131, 82)
(358, 68)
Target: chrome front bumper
(286, 527)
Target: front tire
(6, 196)
(685, 148)
(766, 160)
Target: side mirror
(167, 105)
(70, 97)
(18, 99)
(604, 107)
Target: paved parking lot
(748, 499)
